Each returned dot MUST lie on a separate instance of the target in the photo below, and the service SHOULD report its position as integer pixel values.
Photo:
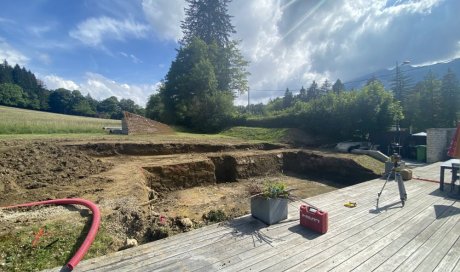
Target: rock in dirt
(130, 243)
(186, 222)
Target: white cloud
(132, 57)
(291, 43)
(11, 55)
(165, 17)
(38, 31)
(54, 82)
(101, 87)
(94, 31)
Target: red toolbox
(313, 218)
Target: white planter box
(269, 210)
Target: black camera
(395, 159)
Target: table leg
(441, 181)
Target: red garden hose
(92, 231)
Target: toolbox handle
(312, 209)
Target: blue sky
(124, 48)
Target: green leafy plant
(269, 189)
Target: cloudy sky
(124, 48)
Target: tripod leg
(378, 194)
(402, 188)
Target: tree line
(332, 111)
(20, 88)
(335, 114)
(433, 102)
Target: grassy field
(21, 121)
(27, 124)
(256, 134)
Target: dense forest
(20, 88)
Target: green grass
(21, 121)
(21, 251)
(256, 134)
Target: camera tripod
(395, 159)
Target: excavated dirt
(148, 191)
(40, 170)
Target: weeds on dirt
(52, 245)
(215, 216)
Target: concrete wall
(438, 141)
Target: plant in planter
(269, 202)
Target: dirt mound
(153, 149)
(297, 137)
(37, 165)
(136, 124)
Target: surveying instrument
(396, 170)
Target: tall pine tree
(338, 87)
(199, 88)
(450, 99)
(400, 84)
(210, 22)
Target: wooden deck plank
(371, 250)
(451, 260)
(256, 257)
(289, 259)
(438, 252)
(241, 246)
(364, 239)
(402, 237)
(420, 247)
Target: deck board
(424, 235)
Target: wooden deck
(421, 236)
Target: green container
(421, 153)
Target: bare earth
(145, 190)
